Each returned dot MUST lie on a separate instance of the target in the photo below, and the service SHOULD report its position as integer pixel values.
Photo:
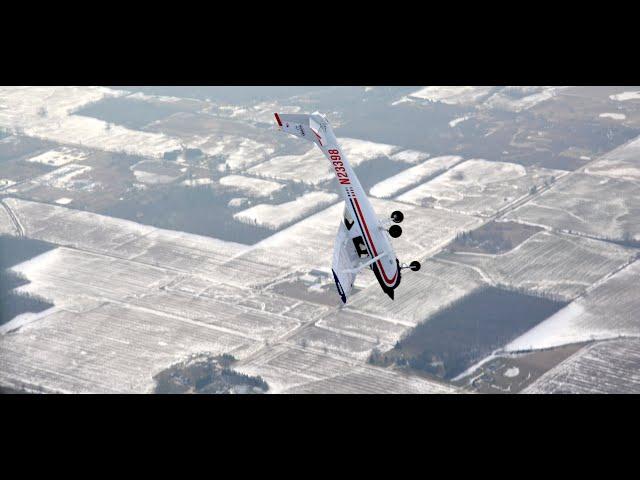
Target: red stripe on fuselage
(390, 281)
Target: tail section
(314, 128)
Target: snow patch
(458, 120)
(253, 187)
(390, 186)
(614, 116)
(194, 182)
(60, 156)
(312, 168)
(152, 178)
(453, 95)
(276, 216)
(48, 113)
(550, 333)
(63, 177)
(624, 96)
(512, 372)
(410, 156)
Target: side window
(348, 219)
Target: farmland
(607, 310)
(592, 205)
(188, 244)
(480, 187)
(607, 367)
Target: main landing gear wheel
(397, 216)
(395, 231)
(414, 266)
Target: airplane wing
(345, 262)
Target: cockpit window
(348, 219)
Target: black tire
(395, 231)
(415, 266)
(397, 216)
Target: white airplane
(363, 240)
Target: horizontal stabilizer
(314, 128)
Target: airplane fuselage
(386, 268)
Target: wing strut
(364, 265)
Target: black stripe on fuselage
(386, 288)
(364, 234)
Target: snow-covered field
(548, 263)
(63, 177)
(60, 156)
(594, 205)
(239, 152)
(409, 156)
(359, 151)
(5, 182)
(154, 98)
(457, 121)
(302, 246)
(328, 340)
(613, 116)
(609, 310)
(155, 172)
(131, 300)
(276, 216)
(261, 112)
(151, 178)
(623, 162)
(454, 95)
(510, 98)
(423, 293)
(308, 244)
(424, 230)
(294, 369)
(606, 367)
(624, 96)
(196, 182)
(47, 113)
(254, 187)
(6, 225)
(107, 348)
(479, 187)
(384, 333)
(519, 98)
(313, 168)
(130, 240)
(407, 178)
(21, 103)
